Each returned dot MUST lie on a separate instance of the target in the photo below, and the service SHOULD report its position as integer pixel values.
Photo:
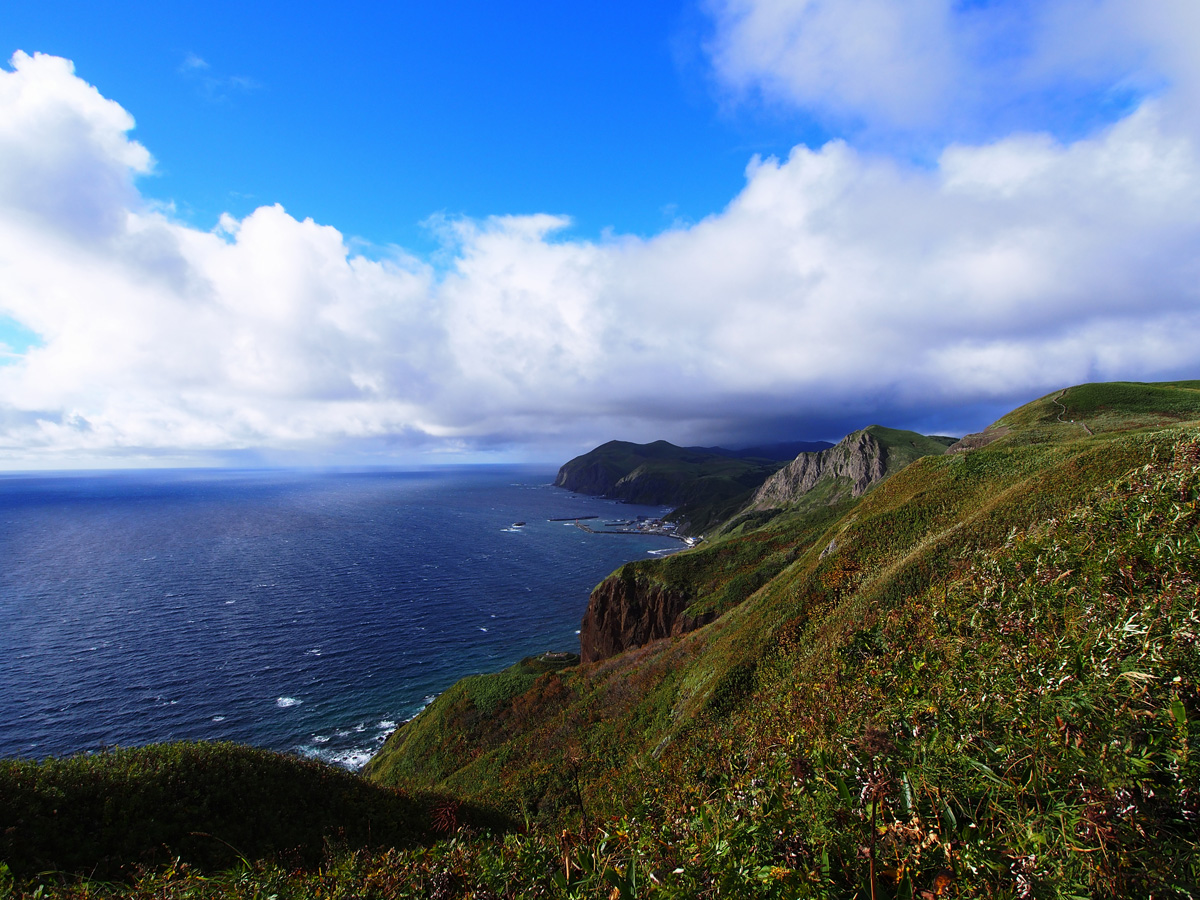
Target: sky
(268, 234)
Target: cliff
(627, 610)
(633, 606)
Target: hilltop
(977, 676)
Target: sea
(310, 612)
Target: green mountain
(633, 606)
(705, 485)
(978, 677)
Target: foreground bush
(209, 805)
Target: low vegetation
(980, 679)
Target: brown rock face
(627, 610)
(859, 457)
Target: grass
(1111, 406)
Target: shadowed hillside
(211, 805)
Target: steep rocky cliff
(859, 461)
(637, 473)
(628, 610)
(663, 473)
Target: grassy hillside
(1023, 728)
(842, 566)
(904, 447)
(980, 679)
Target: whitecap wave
(359, 752)
(353, 759)
(287, 702)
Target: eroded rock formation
(859, 457)
(628, 610)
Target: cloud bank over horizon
(841, 285)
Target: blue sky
(413, 232)
(375, 117)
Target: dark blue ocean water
(302, 611)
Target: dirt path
(1063, 412)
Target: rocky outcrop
(860, 458)
(978, 439)
(628, 610)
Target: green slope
(1109, 406)
(904, 447)
(910, 532)
(827, 653)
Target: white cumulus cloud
(838, 286)
(946, 68)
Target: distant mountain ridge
(705, 485)
(784, 451)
